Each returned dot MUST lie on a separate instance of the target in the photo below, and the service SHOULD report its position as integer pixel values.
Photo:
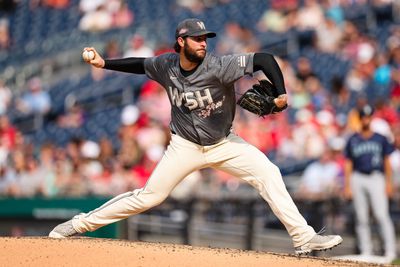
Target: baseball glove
(260, 99)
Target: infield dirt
(42, 251)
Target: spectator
(395, 98)
(350, 41)
(62, 169)
(278, 18)
(142, 171)
(386, 111)
(129, 153)
(28, 180)
(151, 134)
(334, 11)
(310, 16)
(8, 134)
(319, 186)
(308, 19)
(123, 16)
(76, 184)
(7, 178)
(328, 37)
(138, 48)
(355, 79)
(73, 118)
(194, 6)
(73, 152)
(96, 21)
(393, 41)
(304, 69)
(288, 148)
(307, 135)
(58, 4)
(46, 169)
(112, 49)
(236, 39)
(5, 39)
(154, 102)
(320, 179)
(4, 153)
(87, 6)
(383, 72)
(122, 179)
(90, 152)
(5, 97)
(341, 98)
(257, 133)
(300, 97)
(336, 145)
(317, 93)
(395, 63)
(36, 100)
(353, 117)
(327, 125)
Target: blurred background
(72, 136)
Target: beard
(192, 55)
(365, 127)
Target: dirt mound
(40, 251)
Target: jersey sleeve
(347, 149)
(387, 147)
(234, 67)
(156, 67)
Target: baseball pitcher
(200, 88)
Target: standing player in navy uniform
(368, 180)
(201, 91)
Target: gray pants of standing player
(371, 189)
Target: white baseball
(88, 55)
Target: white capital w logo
(201, 25)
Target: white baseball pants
(371, 188)
(232, 155)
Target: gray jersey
(203, 103)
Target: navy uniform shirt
(368, 154)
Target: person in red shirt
(7, 132)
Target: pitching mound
(40, 251)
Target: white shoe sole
(307, 248)
(53, 234)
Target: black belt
(173, 132)
(366, 172)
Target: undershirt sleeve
(267, 64)
(130, 65)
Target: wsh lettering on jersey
(191, 100)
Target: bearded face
(365, 123)
(193, 54)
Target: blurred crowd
(315, 127)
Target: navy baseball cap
(366, 111)
(192, 27)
